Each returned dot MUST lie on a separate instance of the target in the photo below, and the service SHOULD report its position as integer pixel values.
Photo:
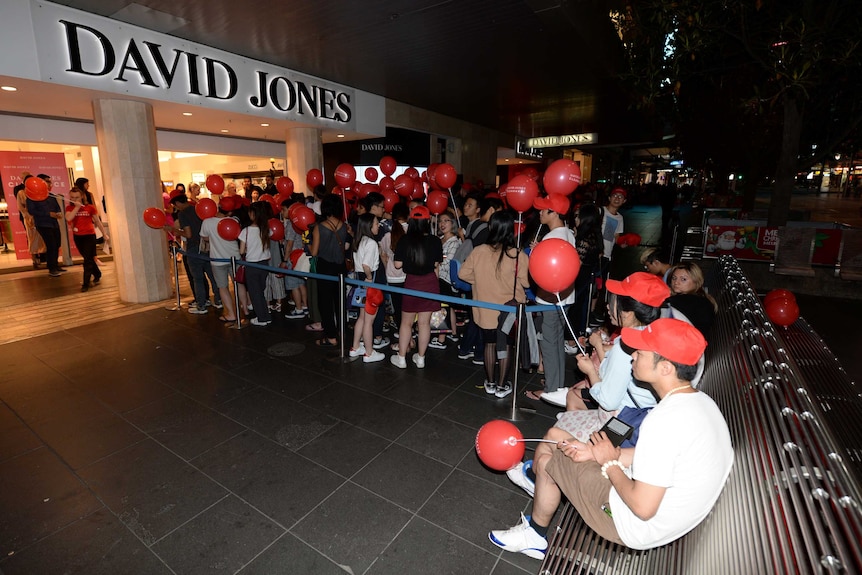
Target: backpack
(466, 246)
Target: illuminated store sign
(88, 51)
(569, 140)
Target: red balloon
(532, 173)
(388, 165)
(387, 183)
(371, 174)
(519, 228)
(206, 208)
(215, 184)
(418, 191)
(404, 185)
(438, 201)
(314, 178)
(782, 311)
(390, 198)
(497, 445)
(153, 217)
(345, 175)
(554, 264)
(562, 177)
(36, 189)
(280, 198)
(445, 175)
(265, 198)
(363, 190)
(412, 172)
(520, 193)
(292, 209)
(431, 173)
(778, 294)
(284, 185)
(495, 195)
(228, 229)
(302, 218)
(629, 239)
(276, 229)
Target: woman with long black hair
(589, 243)
(254, 245)
(418, 254)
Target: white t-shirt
(219, 247)
(368, 254)
(612, 224)
(254, 250)
(616, 380)
(684, 445)
(561, 233)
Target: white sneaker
(520, 539)
(490, 387)
(256, 321)
(419, 360)
(374, 357)
(503, 389)
(571, 349)
(518, 476)
(398, 361)
(381, 343)
(358, 351)
(557, 398)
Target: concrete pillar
(304, 151)
(126, 135)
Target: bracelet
(612, 463)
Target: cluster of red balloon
(36, 189)
(781, 307)
(499, 445)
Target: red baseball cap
(420, 213)
(620, 191)
(671, 338)
(644, 287)
(555, 202)
(373, 300)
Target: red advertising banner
(12, 167)
(744, 242)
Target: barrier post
(178, 306)
(235, 296)
(518, 413)
(342, 315)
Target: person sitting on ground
(656, 492)
(689, 297)
(499, 274)
(653, 262)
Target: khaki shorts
(586, 489)
(221, 275)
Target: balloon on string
(302, 219)
(521, 191)
(519, 228)
(345, 175)
(778, 294)
(371, 174)
(206, 208)
(292, 209)
(388, 165)
(153, 217)
(228, 229)
(562, 177)
(495, 195)
(498, 445)
(281, 198)
(438, 201)
(629, 239)
(363, 190)
(445, 175)
(270, 200)
(783, 312)
(532, 173)
(387, 183)
(554, 264)
(412, 172)
(36, 189)
(284, 185)
(431, 172)
(404, 185)
(276, 229)
(418, 191)
(390, 198)
(314, 178)
(215, 184)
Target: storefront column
(304, 150)
(126, 136)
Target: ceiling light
(9, 88)
(339, 135)
(187, 113)
(265, 125)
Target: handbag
(633, 416)
(239, 277)
(358, 294)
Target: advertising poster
(741, 240)
(13, 166)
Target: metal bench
(792, 502)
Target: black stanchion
(238, 324)
(178, 306)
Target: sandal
(323, 342)
(534, 394)
(310, 327)
(224, 319)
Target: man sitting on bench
(652, 494)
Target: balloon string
(538, 440)
(538, 231)
(569, 325)
(455, 207)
